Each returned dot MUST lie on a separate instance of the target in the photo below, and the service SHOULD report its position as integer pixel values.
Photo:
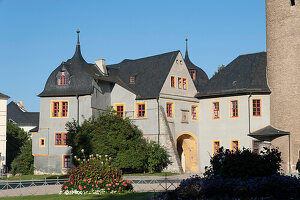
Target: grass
(125, 196)
(37, 177)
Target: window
(172, 81)
(59, 109)
(193, 74)
(216, 110)
(170, 112)
(194, 112)
(61, 138)
(141, 110)
(66, 161)
(42, 142)
(132, 79)
(184, 84)
(55, 109)
(256, 105)
(234, 108)
(234, 145)
(63, 80)
(216, 146)
(120, 111)
(292, 2)
(179, 83)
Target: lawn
(129, 196)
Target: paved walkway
(140, 184)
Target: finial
(186, 44)
(78, 31)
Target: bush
(16, 138)
(244, 164)
(157, 157)
(120, 139)
(23, 163)
(95, 175)
(273, 187)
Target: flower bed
(95, 176)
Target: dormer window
(193, 74)
(63, 80)
(132, 79)
(63, 76)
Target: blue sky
(36, 36)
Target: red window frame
(235, 145)
(179, 82)
(234, 108)
(141, 110)
(194, 112)
(64, 109)
(193, 74)
(55, 112)
(42, 142)
(61, 138)
(216, 146)
(216, 110)
(256, 105)
(62, 80)
(120, 111)
(67, 161)
(169, 110)
(172, 81)
(184, 83)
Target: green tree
(16, 138)
(23, 163)
(219, 69)
(157, 157)
(111, 135)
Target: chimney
(101, 65)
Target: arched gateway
(187, 151)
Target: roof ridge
(130, 60)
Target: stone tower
(283, 74)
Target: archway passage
(187, 151)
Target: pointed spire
(78, 31)
(186, 50)
(77, 53)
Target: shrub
(23, 163)
(95, 175)
(157, 157)
(273, 187)
(119, 138)
(244, 164)
(16, 138)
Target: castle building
(3, 113)
(175, 104)
(17, 114)
(283, 73)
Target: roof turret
(201, 76)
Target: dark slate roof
(268, 133)
(245, 74)
(16, 115)
(3, 96)
(35, 129)
(81, 76)
(201, 76)
(150, 74)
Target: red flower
(80, 188)
(66, 187)
(108, 189)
